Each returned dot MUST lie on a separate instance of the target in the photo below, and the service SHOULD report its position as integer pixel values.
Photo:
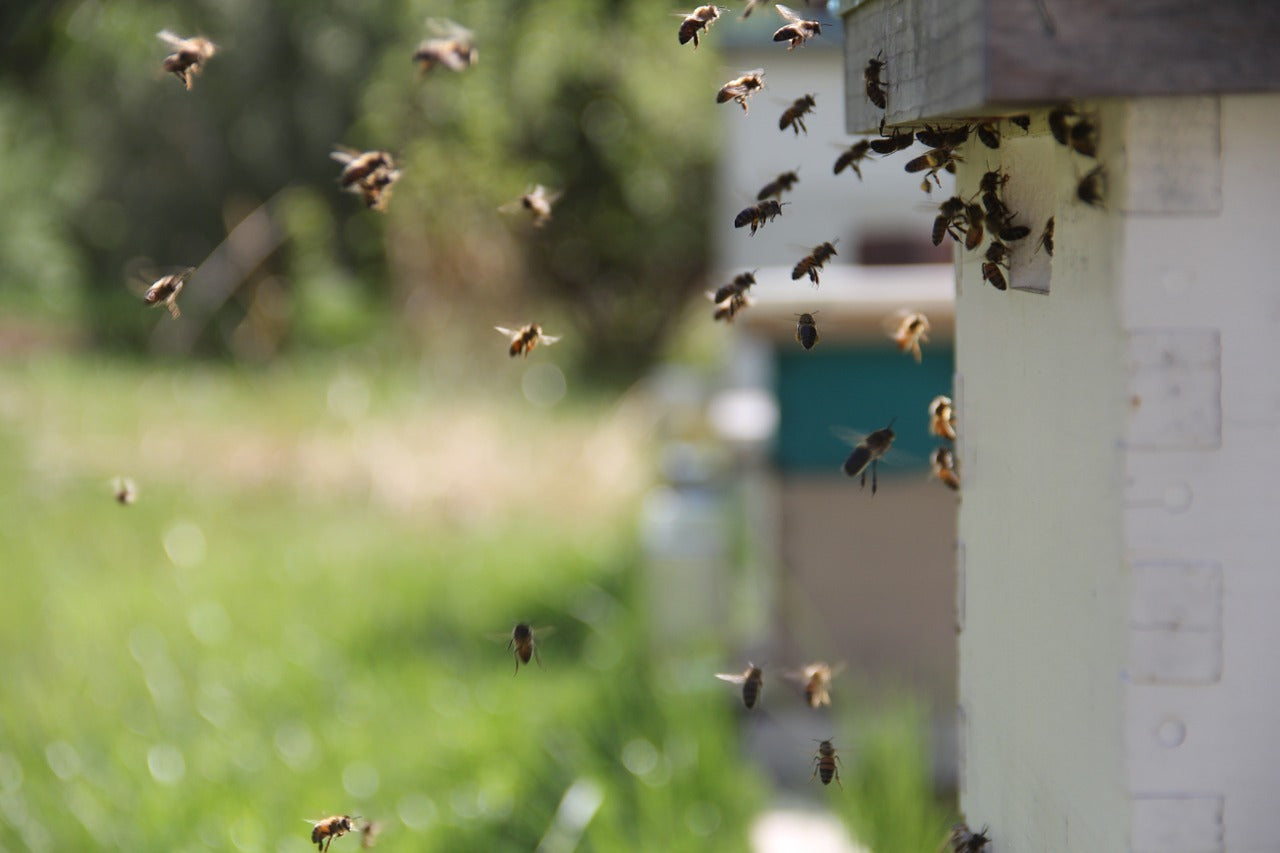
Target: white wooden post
(1119, 534)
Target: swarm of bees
(524, 339)
(793, 116)
(797, 30)
(369, 174)
(189, 55)
(452, 46)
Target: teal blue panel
(831, 389)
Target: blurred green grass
(261, 639)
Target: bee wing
(448, 29)
(547, 340)
(789, 14)
(171, 38)
(732, 678)
(343, 154)
(510, 333)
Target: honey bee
(741, 88)
(973, 217)
(699, 19)
(752, 681)
(824, 764)
(367, 173)
(523, 646)
(751, 5)
(1059, 122)
(813, 262)
(1091, 187)
(188, 57)
(369, 834)
(868, 452)
(164, 291)
(793, 116)
(851, 156)
(1083, 138)
(758, 214)
(1022, 121)
(965, 840)
(324, 831)
(943, 462)
(729, 307)
(874, 85)
(775, 188)
(912, 330)
(124, 491)
(537, 201)
(991, 272)
(942, 417)
(888, 143)
(950, 214)
(525, 338)
(797, 30)
(815, 681)
(741, 283)
(936, 137)
(453, 47)
(988, 133)
(1046, 238)
(807, 331)
(935, 160)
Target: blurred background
(347, 493)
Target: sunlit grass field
(304, 613)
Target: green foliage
(231, 655)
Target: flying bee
(1046, 238)
(1083, 138)
(793, 116)
(741, 283)
(1092, 186)
(164, 291)
(851, 156)
(324, 831)
(758, 214)
(124, 491)
(868, 452)
(943, 463)
(370, 174)
(453, 47)
(727, 309)
(935, 160)
(751, 5)
(369, 834)
(1058, 122)
(991, 272)
(797, 30)
(824, 764)
(741, 88)
(950, 214)
(813, 262)
(523, 646)
(537, 201)
(699, 19)
(807, 331)
(874, 85)
(942, 417)
(815, 681)
(752, 681)
(1022, 121)
(524, 339)
(988, 133)
(188, 57)
(965, 840)
(775, 188)
(912, 330)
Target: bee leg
(873, 478)
(537, 657)
(517, 672)
(863, 484)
